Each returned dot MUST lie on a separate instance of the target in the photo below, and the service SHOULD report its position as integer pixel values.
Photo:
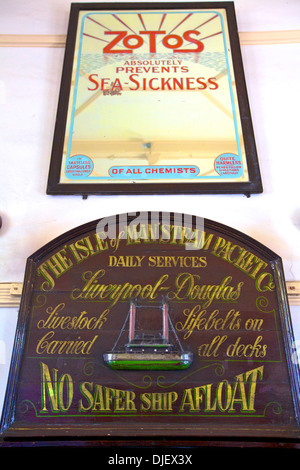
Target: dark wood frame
(91, 435)
(54, 187)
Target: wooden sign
(153, 325)
(153, 100)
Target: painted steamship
(159, 349)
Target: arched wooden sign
(153, 325)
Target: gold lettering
(227, 394)
(269, 285)
(254, 375)
(58, 263)
(239, 387)
(187, 288)
(158, 401)
(50, 282)
(84, 389)
(106, 398)
(187, 400)
(54, 390)
(223, 397)
(48, 345)
(203, 240)
(197, 319)
(49, 388)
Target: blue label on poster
(154, 172)
(78, 167)
(229, 165)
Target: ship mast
(131, 321)
(165, 315)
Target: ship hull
(135, 361)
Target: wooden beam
(256, 38)
(250, 38)
(32, 40)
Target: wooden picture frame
(153, 100)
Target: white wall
(29, 88)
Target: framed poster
(153, 100)
(145, 327)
